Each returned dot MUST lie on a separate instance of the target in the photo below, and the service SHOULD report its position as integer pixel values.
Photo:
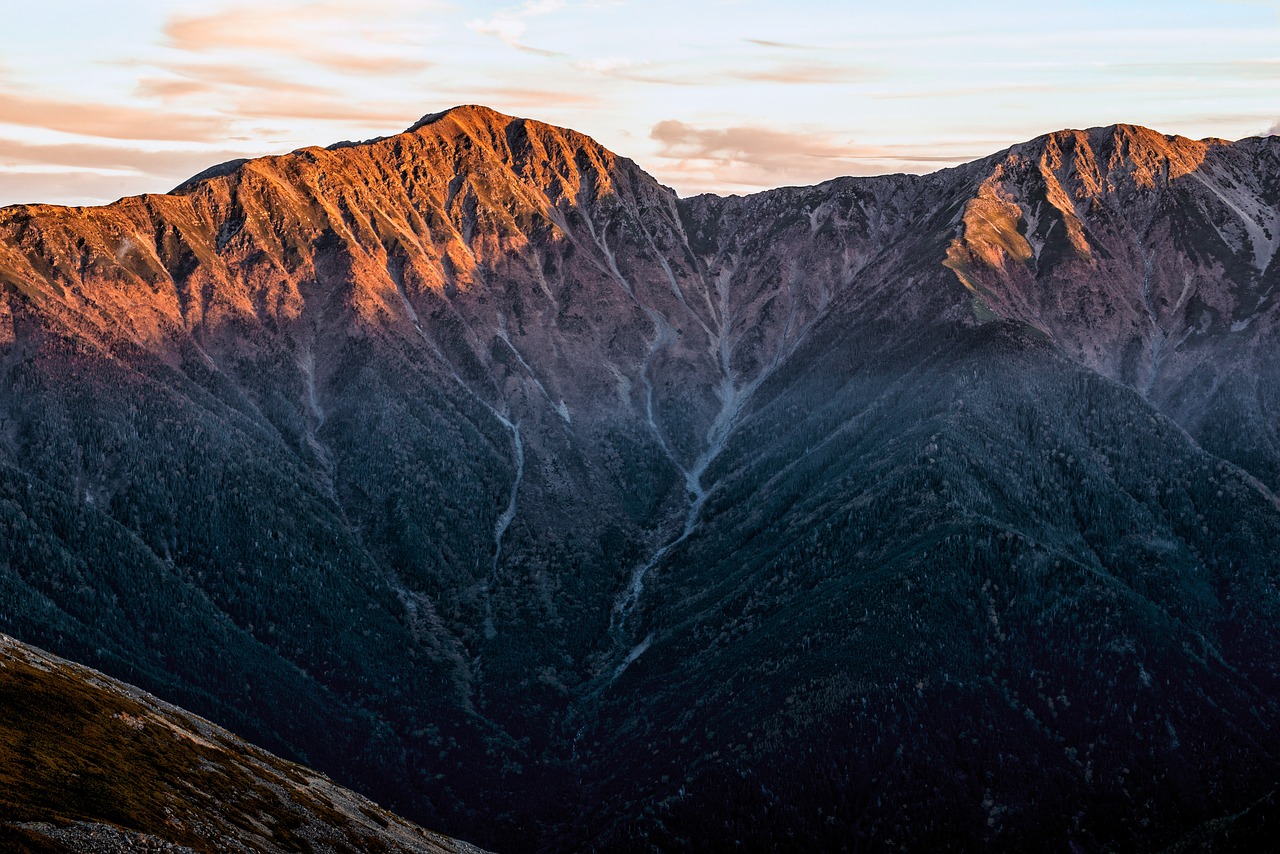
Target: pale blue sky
(100, 100)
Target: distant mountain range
(477, 469)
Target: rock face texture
(93, 765)
(475, 468)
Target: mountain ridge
(477, 468)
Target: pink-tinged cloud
(169, 164)
(111, 122)
(682, 140)
(356, 63)
(256, 28)
(283, 106)
(803, 74)
(207, 78)
(505, 98)
(68, 188)
(318, 33)
(172, 88)
(753, 158)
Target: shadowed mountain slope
(475, 468)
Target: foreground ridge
(94, 764)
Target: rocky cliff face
(1150, 260)
(478, 469)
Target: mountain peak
(1120, 132)
(1113, 156)
(465, 114)
(1123, 140)
(488, 126)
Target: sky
(100, 100)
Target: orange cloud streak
(306, 32)
(78, 155)
(112, 122)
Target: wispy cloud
(757, 158)
(725, 72)
(290, 62)
(109, 121)
(186, 79)
(1219, 123)
(505, 29)
(780, 45)
(761, 145)
(78, 156)
(319, 33)
(1235, 71)
(952, 93)
(803, 73)
(604, 64)
(510, 24)
(68, 187)
(278, 105)
(516, 96)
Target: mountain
(477, 469)
(92, 764)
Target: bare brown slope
(90, 763)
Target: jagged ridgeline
(475, 468)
